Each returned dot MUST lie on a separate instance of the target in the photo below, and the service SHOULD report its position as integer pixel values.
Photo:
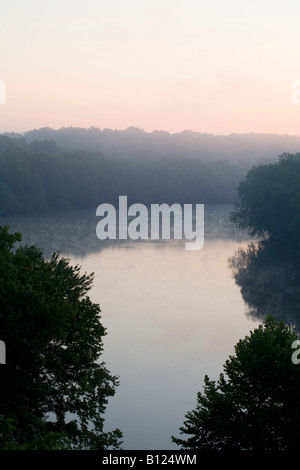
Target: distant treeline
(137, 144)
(40, 176)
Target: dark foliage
(255, 403)
(53, 380)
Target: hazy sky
(217, 67)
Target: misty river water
(171, 315)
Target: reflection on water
(269, 279)
(74, 233)
(172, 315)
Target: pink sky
(169, 65)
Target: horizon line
(129, 128)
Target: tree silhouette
(53, 380)
(254, 405)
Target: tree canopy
(53, 381)
(40, 177)
(269, 200)
(254, 405)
